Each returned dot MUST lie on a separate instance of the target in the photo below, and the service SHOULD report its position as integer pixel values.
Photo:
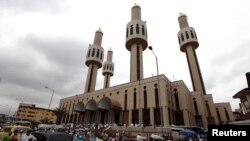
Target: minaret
(108, 69)
(136, 43)
(94, 61)
(188, 43)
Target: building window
(145, 98)
(125, 101)
(97, 54)
(195, 106)
(208, 109)
(182, 37)
(101, 54)
(227, 116)
(131, 30)
(156, 97)
(93, 52)
(137, 29)
(104, 67)
(134, 100)
(142, 29)
(176, 99)
(187, 36)
(195, 35)
(89, 52)
(192, 34)
(179, 40)
(110, 94)
(218, 114)
(127, 32)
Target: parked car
(52, 136)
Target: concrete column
(69, 118)
(77, 118)
(140, 116)
(130, 117)
(186, 117)
(165, 116)
(152, 119)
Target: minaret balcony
(187, 36)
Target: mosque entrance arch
(109, 110)
(79, 108)
(91, 108)
(104, 108)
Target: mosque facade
(153, 101)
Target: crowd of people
(19, 136)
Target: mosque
(153, 101)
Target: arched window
(145, 97)
(192, 34)
(182, 37)
(89, 52)
(187, 36)
(137, 29)
(143, 30)
(195, 106)
(179, 40)
(131, 30)
(134, 100)
(156, 96)
(195, 35)
(93, 52)
(218, 114)
(127, 32)
(227, 116)
(176, 99)
(125, 101)
(101, 54)
(208, 109)
(97, 54)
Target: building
(30, 112)
(152, 101)
(244, 96)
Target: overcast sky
(44, 43)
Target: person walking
(6, 137)
(27, 137)
(15, 136)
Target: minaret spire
(94, 61)
(108, 69)
(136, 42)
(188, 43)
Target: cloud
(39, 61)
(19, 6)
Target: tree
(59, 112)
